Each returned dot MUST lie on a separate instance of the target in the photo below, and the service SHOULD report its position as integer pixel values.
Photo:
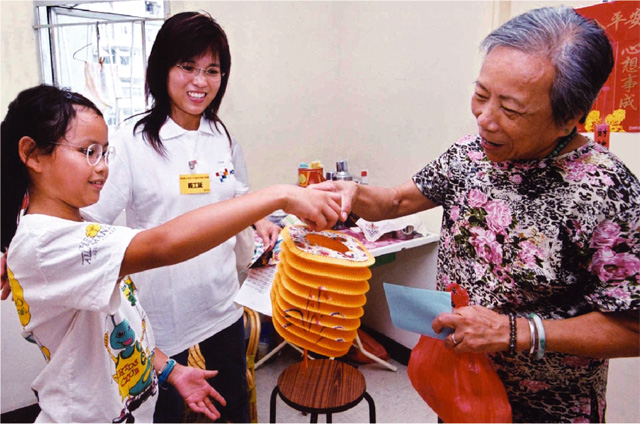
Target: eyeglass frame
(198, 71)
(107, 154)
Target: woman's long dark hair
(182, 37)
(44, 114)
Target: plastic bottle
(364, 177)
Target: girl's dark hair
(44, 114)
(182, 37)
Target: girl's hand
(346, 190)
(192, 385)
(318, 209)
(268, 232)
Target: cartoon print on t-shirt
(128, 290)
(18, 299)
(94, 234)
(24, 313)
(133, 365)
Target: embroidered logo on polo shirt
(223, 175)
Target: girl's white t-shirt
(193, 300)
(89, 326)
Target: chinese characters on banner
(619, 100)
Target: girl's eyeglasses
(94, 152)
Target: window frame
(47, 18)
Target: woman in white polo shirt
(174, 158)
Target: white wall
(385, 85)
(19, 69)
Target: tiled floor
(397, 402)
(395, 399)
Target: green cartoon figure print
(133, 362)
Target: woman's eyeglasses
(211, 72)
(94, 152)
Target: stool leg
(314, 417)
(372, 407)
(329, 418)
(272, 405)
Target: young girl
(182, 139)
(69, 277)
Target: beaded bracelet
(512, 333)
(165, 371)
(534, 335)
(542, 342)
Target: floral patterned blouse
(557, 236)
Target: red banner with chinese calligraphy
(618, 103)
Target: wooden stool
(322, 386)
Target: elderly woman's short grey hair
(578, 48)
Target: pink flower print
(576, 172)
(533, 385)
(466, 139)
(476, 198)
(503, 275)
(577, 232)
(478, 270)
(606, 180)
(528, 253)
(486, 246)
(605, 235)
(498, 215)
(516, 179)
(618, 293)
(455, 213)
(584, 408)
(609, 266)
(576, 361)
(475, 155)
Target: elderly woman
(540, 224)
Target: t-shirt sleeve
(240, 169)
(614, 249)
(81, 264)
(433, 180)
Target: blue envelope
(414, 309)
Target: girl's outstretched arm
(202, 229)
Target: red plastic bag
(459, 387)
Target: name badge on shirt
(194, 183)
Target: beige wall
(385, 85)
(20, 66)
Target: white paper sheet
(255, 291)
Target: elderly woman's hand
(476, 329)
(347, 191)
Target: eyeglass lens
(212, 73)
(95, 152)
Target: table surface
(389, 244)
